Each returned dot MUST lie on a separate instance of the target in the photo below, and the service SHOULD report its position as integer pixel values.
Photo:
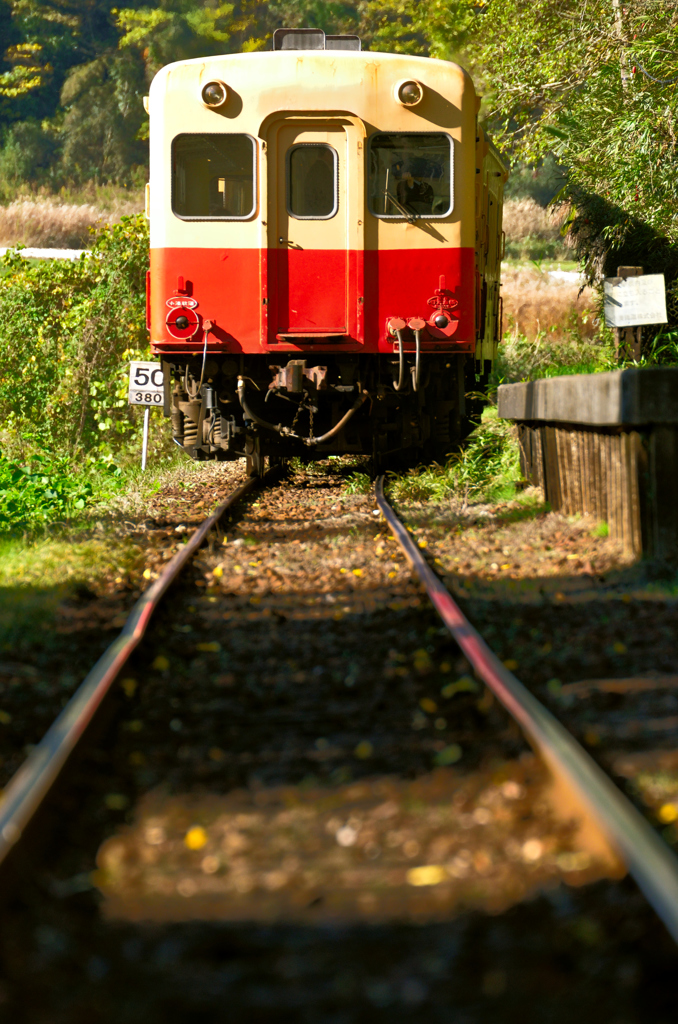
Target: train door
(308, 243)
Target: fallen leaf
(196, 838)
(427, 874)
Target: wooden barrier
(605, 444)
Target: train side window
(213, 176)
(411, 175)
(312, 181)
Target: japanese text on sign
(635, 301)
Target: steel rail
(647, 857)
(33, 780)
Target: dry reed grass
(48, 223)
(535, 302)
(524, 218)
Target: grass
(52, 560)
(548, 355)
(54, 491)
(67, 220)
(533, 302)
(358, 483)
(51, 225)
(533, 231)
(486, 469)
(521, 358)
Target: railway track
(339, 858)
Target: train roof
(362, 82)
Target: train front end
(318, 281)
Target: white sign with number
(635, 301)
(146, 384)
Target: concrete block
(621, 398)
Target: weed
(486, 469)
(358, 483)
(601, 530)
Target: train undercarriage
(392, 410)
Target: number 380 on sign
(146, 384)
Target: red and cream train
(325, 251)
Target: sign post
(146, 387)
(144, 444)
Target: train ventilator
(325, 251)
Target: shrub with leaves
(67, 332)
(45, 492)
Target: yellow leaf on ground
(667, 813)
(195, 838)
(428, 874)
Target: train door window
(411, 175)
(213, 176)
(312, 181)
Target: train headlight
(182, 322)
(409, 93)
(441, 321)
(214, 95)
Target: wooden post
(628, 339)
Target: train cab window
(312, 187)
(213, 176)
(411, 175)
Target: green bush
(67, 332)
(43, 493)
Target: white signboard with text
(146, 384)
(635, 301)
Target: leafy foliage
(68, 328)
(43, 492)
(72, 77)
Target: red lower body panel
(261, 298)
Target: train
(325, 252)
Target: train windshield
(411, 175)
(213, 176)
(312, 181)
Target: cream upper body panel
(358, 88)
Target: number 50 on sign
(146, 384)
